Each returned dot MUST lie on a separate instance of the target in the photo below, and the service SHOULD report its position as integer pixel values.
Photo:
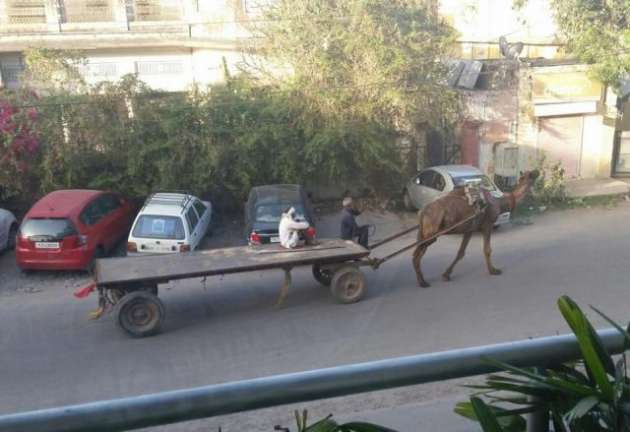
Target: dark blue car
(265, 206)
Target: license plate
(151, 247)
(275, 239)
(47, 245)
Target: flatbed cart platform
(129, 285)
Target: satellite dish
(503, 46)
(510, 51)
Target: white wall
(487, 20)
(592, 146)
(208, 65)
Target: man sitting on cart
(349, 228)
(290, 229)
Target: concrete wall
(496, 112)
(494, 108)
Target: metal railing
(209, 401)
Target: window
(52, 229)
(200, 207)
(431, 179)
(483, 180)
(271, 213)
(159, 227)
(153, 10)
(93, 213)
(109, 203)
(192, 219)
(159, 67)
(26, 11)
(101, 70)
(11, 74)
(76, 11)
(438, 182)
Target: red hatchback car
(67, 229)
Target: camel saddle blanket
(479, 197)
(473, 194)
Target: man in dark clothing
(349, 228)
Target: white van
(169, 223)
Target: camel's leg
(417, 258)
(487, 250)
(460, 254)
(284, 291)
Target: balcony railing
(203, 402)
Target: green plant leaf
(597, 360)
(363, 427)
(509, 420)
(325, 425)
(465, 409)
(485, 416)
(556, 383)
(621, 330)
(581, 408)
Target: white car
(8, 230)
(432, 183)
(170, 223)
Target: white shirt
(288, 230)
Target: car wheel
(11, 241)
(407, 201)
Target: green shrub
(220, 142)
(550, 186)
(588, 396)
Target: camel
(454, 208)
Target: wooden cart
(129, 285)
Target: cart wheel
(323, 276)
(140, 314)
(348, 285)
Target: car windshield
(271, 213)
(52, 228)
(161, 227)
(483, 179)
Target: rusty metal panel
(455, 69)
(470, 74)
(161, 268)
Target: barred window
(73, 11)
(159, 67)
(11, 74)
(153, 10)
(26, 11)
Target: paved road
(51, 355)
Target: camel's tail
(420, 218)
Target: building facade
(530, 100)
(170, 44)
(522, 97)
